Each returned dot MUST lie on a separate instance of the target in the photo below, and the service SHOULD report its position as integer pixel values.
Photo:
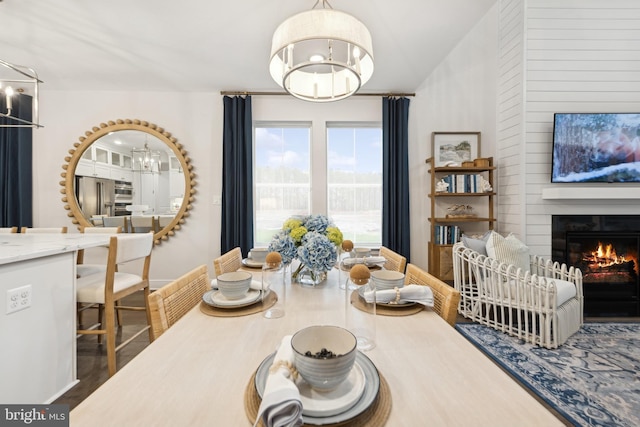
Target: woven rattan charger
(259, 306)
(375, 415)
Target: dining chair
(8, 230)
(172, 301)
(114, 285)
(83, 269)
(161, 221)
(445, 297)
(395, 261)
(117, 221)
(228, 262)
(141, 224)
(43, 230)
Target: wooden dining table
(196, 373)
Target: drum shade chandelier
(321, 55)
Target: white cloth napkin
(372, 260)
(255, 284)
(409, 293)
(281, 404)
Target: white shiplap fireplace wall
(560, 56)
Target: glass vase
(308, 276)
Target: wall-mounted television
(596, 147)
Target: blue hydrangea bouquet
(313, 240)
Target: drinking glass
(273, 280)
(362, 322)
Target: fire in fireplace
(605, 248)
(602, 264)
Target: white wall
(460, 95)
(573, 56)
(194, 119)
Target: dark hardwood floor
(92, 357)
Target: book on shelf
(463, 183)
(447, 234)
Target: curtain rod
(245, 93)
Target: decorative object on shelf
(454, 148)
(20, 75)
(485, 186)
(481, 162)
(441, 186)
(321, 55)
(313, 240)
(461, 211)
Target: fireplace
(605, 248)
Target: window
(354, 181)
(349, 178)
(282, 177)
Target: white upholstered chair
(86, 269)
(106, 289)
(141, 224)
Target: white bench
(543, 306)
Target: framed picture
(453, 148)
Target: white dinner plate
(248, 262)
(366, 399)
(216, 299)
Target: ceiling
(202, 46)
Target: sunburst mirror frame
(84, 142)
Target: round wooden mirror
(144, 169)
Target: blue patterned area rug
(592, 380)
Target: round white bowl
(234, 285)
(324, 374)
(387, 279)
(258, 254)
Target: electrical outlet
(18, 299)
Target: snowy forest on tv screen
(601, 147)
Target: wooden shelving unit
(440, 254)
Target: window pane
(354, 175)
(282, 178)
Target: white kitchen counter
(19, 247)
(38, 341)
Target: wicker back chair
(445, 297)
(228, 262)
(172, 301)
(395, 261)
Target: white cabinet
(121, 174)
(102, 162)
(93, 168)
